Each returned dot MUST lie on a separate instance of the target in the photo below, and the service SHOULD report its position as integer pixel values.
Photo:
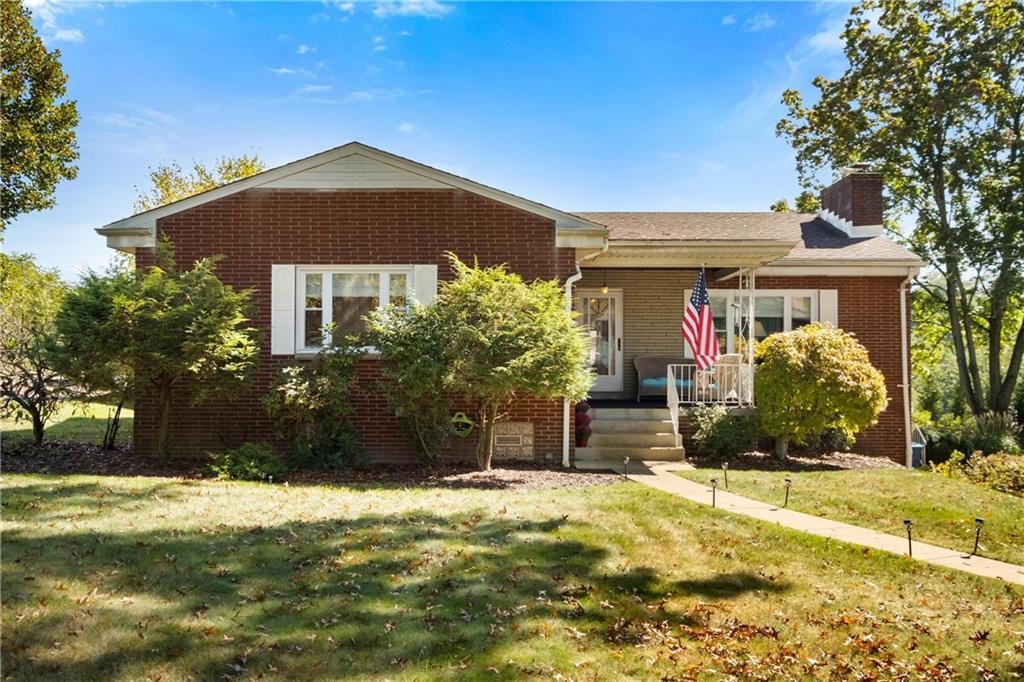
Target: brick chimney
(854, 202)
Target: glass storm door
(601, 317)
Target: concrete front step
(659, 454)
(604, 438)
(632, 425)
(629, 413)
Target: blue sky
(604, 106)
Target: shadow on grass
(731, 585)
(334, 598)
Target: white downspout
(908, 453)
(569, 281)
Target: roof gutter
(908, 448)
(569, 282)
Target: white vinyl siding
(355, 171)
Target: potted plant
(583, 429)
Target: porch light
(604, 287)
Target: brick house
(361, 228)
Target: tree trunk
(37, 427)
(485, 446)
(781, 448)
(163, 434)
(113, 425)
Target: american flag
(699, 327)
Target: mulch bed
(798, 461)
(69, 457)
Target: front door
(601, 316)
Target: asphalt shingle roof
(816, 239)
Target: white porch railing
(721, 384)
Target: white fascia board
(843, 269)
(148, 219)
(579, 239)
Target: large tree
(37, 122)
(30, 387)
(171, 183)
(933, 97)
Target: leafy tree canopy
(171, 183)
(806, 202)
(934, 99)
(29, 300)
(37, 123)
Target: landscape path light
(788, 481)
(910, 541)
(978, 523)
(725, 473)
(714, 485)
(625, 467)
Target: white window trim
(383, 271)
(731, 296)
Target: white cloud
(378, 44)
(762, 21)
(138, 130)
(380, 48)
(411, 8)
(407, 128)
(374, 95)
(305, 49)
(48, 13)
(728, 20)
(288, 71)
(404, 34)
(309, 89)
(348, 7)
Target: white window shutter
(282, 309)
(828, 306)
(424, 283)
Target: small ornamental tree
(29, 384)
(177, 329)
(811, 379)
(88, 339)
(508, 339)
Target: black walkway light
(714, 485)
(978, 523)
(788, 481)
(725, 472)
(910, 541)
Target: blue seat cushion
(662, 382)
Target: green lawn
(118, 578)
(74, 421)
(942, 509)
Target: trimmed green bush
(812, 379)
(995, 432)
(248, 462)
(723, 434)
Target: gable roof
(813, 239)
(353, 165)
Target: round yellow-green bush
(815, 378)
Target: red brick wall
(869, 307)
(256, 228)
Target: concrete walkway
(660, 475)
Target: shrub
(723, 434)
(833, 439)
(995, 432)
(248, 462)
(1000, 471)
(815, 378)
(415, 361)
(311, 408)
